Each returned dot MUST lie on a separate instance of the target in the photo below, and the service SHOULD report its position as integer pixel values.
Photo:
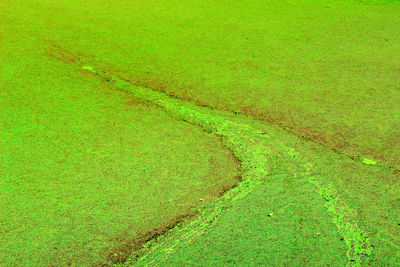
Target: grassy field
(86, 169)
(120, 119)
(325, 69)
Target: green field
(206, 133)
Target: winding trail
(253, 148)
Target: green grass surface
(296, 234)
(86, 168)
(324, 69)
(89, 162)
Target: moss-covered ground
(125, 125)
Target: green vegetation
(116, 119)
(325, 69)
(86, 170)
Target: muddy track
(252, 147)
